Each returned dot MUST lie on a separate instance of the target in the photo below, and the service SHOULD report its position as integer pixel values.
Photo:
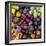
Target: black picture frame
(7, 22)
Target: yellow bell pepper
(13, 11)
(15, 7)
(18, 14)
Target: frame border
(6, 26)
